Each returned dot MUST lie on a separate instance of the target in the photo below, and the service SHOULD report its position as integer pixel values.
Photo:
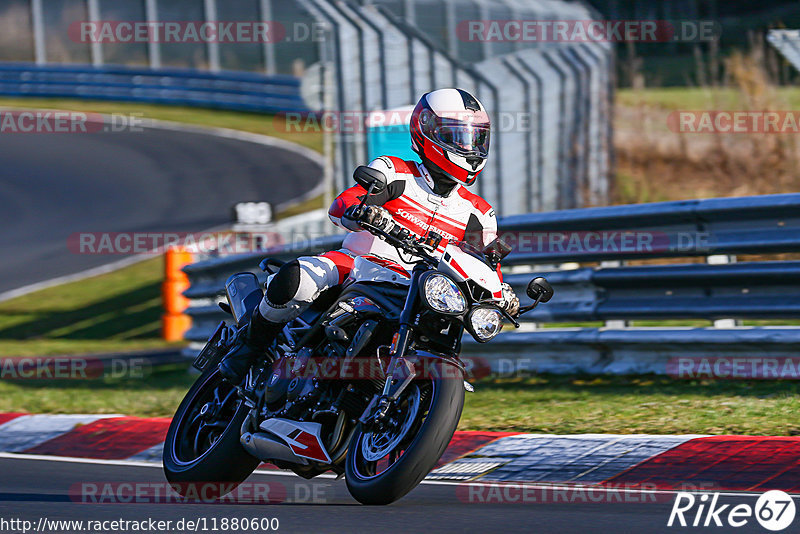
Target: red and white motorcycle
(367, 383)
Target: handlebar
(401, 238)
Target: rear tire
(418, 458)
(224, 464)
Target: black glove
(510, 301)
(373, 215)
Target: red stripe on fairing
(458, 268)
(313, 448)
(389, 264)
(746, 463)
(113, 438)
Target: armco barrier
(748, 290)
(224, 90)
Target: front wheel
(202, 452)
(382, 466)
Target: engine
(297, 389)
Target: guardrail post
(175, 322)
(615, 323)
(722, 259)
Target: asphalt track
(31, 489)
(53, 186)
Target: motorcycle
(303, 408)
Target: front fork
(400, 371)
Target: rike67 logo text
(774, 510)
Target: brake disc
(377, 444)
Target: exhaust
(266, 448)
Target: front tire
(202, 453)
(368, 486)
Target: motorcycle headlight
(485, 323)
(443, 295)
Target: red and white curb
(738, 463)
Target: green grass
(542, 404)
(118, 311)
(157, 396)
(271, 125)
(699, 98)
(641, 404)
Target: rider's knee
(285, 284)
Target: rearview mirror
(540, 289)
(497, 250)
(367, 177)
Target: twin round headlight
(443, 295)
(485, 323)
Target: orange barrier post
(174, 322)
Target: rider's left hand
(510, 301)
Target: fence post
(37, 21)
(153, 45)
(175, 322)
(212, 46)
(265, 11)
(93, 8)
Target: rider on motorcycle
(450, 133)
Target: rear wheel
(202, 452)
(383, 465)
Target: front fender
(428, 359)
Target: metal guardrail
(744, 225)
(240, 91)
(749, 290)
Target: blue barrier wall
(239, 91)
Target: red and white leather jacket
(409, 199)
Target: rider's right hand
(373, 215)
